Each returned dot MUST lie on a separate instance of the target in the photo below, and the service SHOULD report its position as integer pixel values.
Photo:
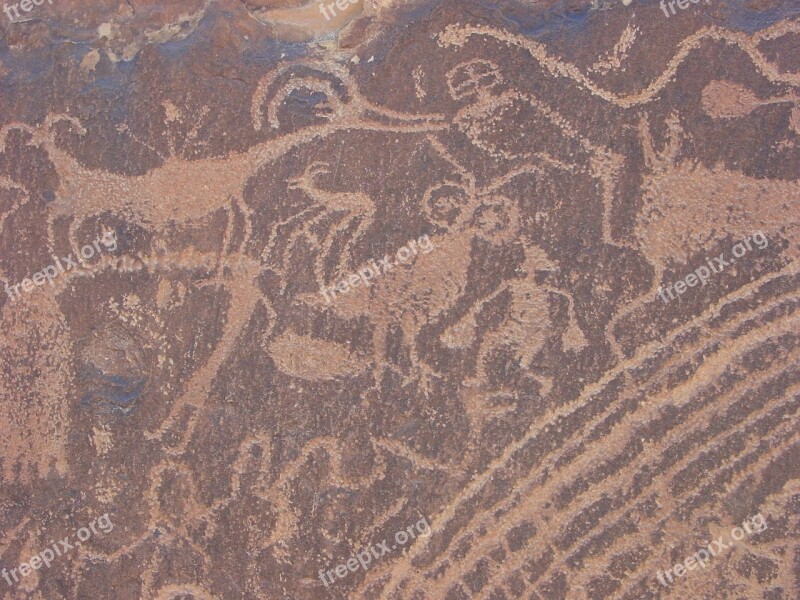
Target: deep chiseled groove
(538, 491)
(492, 529)
(674, 466)
(786, 428)
(633, 541)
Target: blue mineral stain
(116, 394)
(112, 370)
(554, 21)
(750, 21)
(268, 52)
(558, 21)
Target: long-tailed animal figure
(180, 191)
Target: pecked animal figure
(180, 191)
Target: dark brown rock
(463, 299)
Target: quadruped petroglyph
(400, 264)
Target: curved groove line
(588, 463)
(642, 354)
(458, 35)
(667, 501)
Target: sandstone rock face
(399, 300)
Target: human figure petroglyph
(401, 577)
(233, 272)
(415, 296)
(606, 163)
(495, 219)
(492, 101)
(519, 296)
(457, 36)
(480, 83)
(528, 322)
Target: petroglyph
(520, 385)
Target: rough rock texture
(570, 361)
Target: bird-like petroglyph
(517, 383)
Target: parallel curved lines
(643, 574)
(640, 543)
(721, 478)
(643, 354)
(599, 492)
(647, 566)
(575, 455)
(629, 541)
(457, 35)
(672, 337)
(683, 394)
(759, 414)
(783, 502)
(706, 410)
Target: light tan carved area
(671, 228)
(528, 316)
(680, 228)
(614, 59)
(36, 355)
(309, 21)
(304, 357)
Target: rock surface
(417, 301)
